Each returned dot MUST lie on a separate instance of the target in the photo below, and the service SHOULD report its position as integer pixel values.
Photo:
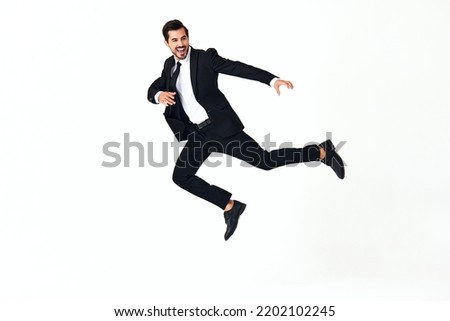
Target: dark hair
(173, 25)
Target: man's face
(178, 43)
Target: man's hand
(279, 82)
(167, 98)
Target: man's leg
(245, 148)
(194, 153)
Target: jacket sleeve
(157, 86)
(237, 68)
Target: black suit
(225, 133)
(205, 68)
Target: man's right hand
(167, 98)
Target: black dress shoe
(232, 218)
(332, 159)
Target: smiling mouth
(181, 50)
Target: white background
(78, 239)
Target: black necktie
(173, 79)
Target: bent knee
(178, 178)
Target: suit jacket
(205, 68)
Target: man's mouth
(181, 50)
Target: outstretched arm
(239, 69)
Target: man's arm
(156, 93)
(157, 86)
(239, 69)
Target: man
(197, 111)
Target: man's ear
(166, 43)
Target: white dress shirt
(185, 92)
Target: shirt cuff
(272, 82)
(157, 96)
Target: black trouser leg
(243, 147)
(194, 153)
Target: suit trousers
(201, 143)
